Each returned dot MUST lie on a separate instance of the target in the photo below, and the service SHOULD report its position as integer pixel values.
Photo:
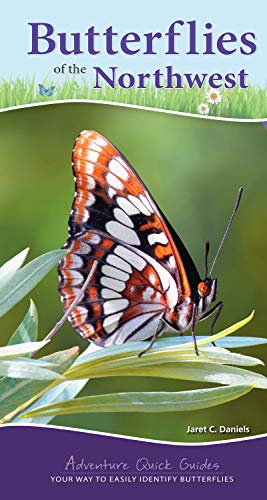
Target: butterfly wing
(190, 269)
(116, 222)
(42, 89)
(126, 296)
(49, 91)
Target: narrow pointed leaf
(227, 342)
(145, 401)
(169, 344)
(11, 351)
(191, 368)
(98, 367)
(27, 368)
(224, 333)
(27, 278)
(171, 361)
(9, 269)
(14, 392)
(59, 393)
(28, 329)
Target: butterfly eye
(203, 288)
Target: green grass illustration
(248, 103)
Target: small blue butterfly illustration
(44, 91)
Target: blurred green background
(193, 167)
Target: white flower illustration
(203, 108)
(214, 96)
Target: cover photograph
(133, 150)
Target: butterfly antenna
(238, 198)
(207, 249)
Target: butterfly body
(145, 281)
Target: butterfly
(44, 91)
(145, 282)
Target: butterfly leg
(219, 308)
(194, 315)
(154, 338)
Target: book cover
(132, 281)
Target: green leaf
(27, 331)
(167, 347)
(11, 351)
(27, 278)
(182, 370)
(171, 361)
(178, 362)
(97, 367)
(61, 392)
(224, 333)
(145, 401)
(9, 269)
(124, 360)
(64, 359)
(28, 368)
(15, 392)
(227, 342)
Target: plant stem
(72, 306)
